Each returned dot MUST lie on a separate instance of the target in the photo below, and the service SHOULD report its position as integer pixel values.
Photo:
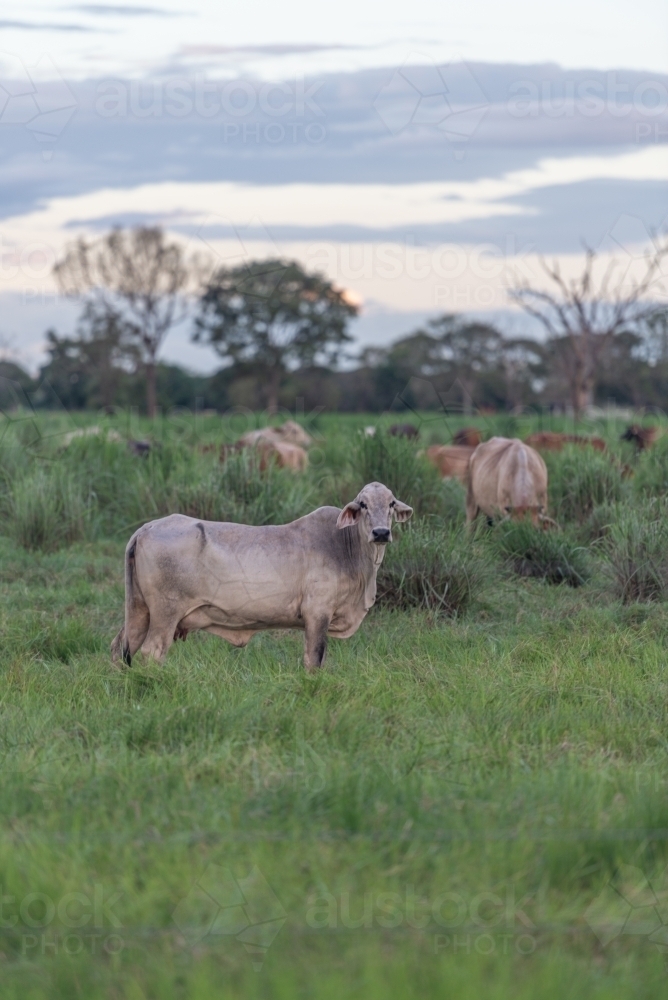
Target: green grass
(442, 811)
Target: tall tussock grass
(431, 567)
(239, 491)
(553, 556)
(97, 488)
(47, 508)
(636, 551)
(651, 474)
(581, 479)
(395, 462)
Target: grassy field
(471, 804)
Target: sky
(422, 155)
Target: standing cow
(507, 479)
(317, 574)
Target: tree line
(281, 333)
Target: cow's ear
(402, 511)
(349, 515)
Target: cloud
(30, 26)
(122, 10)
(264, 50)
(376, 206)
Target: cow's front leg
(315, 641)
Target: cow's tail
(136, 611)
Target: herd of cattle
(318, 573)
(503, 476)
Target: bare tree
(585, 313)
(137, 274)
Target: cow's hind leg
(315, 641)
(129, 639)
(160, 634)
(133, 633)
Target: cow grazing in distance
(141, 448)
(470, 437)
(270, 452)
(552, 441)
(404, 430)
(288, 433)
(451, 460)
(317, 574)
(87, 432)
(507, 479)
(285, 456)
(642, 437)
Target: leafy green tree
(274, 316)
(88, 369)
(469, 351)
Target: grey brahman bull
(317, 574)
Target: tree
(469, 350)
(139, 276)
(523, 364)
(274, 316)
(88, 369)
(587, 312)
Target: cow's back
(506, 472)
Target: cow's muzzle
(380, 536)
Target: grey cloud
(96, 152)
(264, 50)
(34, 26)
(123, 10)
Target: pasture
(470, 800)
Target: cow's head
(373, 509)
(537, 515)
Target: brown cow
(642, 437)
(451, 460)
(404, 431)
(507, 478)
(285, 456)
(468, 436)
(551, 441)
(288, 433)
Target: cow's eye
(362, 505)
(393, 504)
